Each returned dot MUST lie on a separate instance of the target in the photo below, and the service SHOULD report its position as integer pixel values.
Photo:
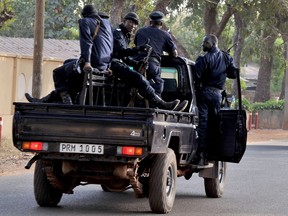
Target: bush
(246, 105)
(268, 105)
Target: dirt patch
(12, 161)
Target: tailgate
(55, 124)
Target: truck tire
(45, 194)
(214, 187)
(162, 182)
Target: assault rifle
(142, 69)
(228, 50)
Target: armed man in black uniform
(211, 70)
(96, 45)
(160, 41)
(122, 38)
(132, 78)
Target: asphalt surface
(257, 186)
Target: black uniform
(210, 76)
(121, 51)
(132, 78)
(121, 48)
(160, 41)
(96, 49)
(96, 44)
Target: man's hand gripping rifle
(144, 63)
(141, 69)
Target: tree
(262, 93)
(60, 18)
(187, 21)
(5, 12)
(116, 11)
(210, 17)
(285, 122)
(270, 18)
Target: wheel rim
(221, 172)
(169, 181)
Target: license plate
(81, 148)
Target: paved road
(257, 186)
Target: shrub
(246, 105)
(268, 105)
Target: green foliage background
(185, 21)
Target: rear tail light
(35, 146)
(129, 150)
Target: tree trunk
(285, 55)
(161, 5)
(116, 12)
(38, 47)
(239, 41)
(285, 120)
(262, 93)
(210, 18)
(210, 15)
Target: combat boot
(66, 98)
(37, 100)
(158, 102)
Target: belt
(213, 89)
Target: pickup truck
(120, 147)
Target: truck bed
(108, 126)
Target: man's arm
(199, 68)
(86, 42)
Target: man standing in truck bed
(160, 41)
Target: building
(16, 63)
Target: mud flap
(211, 172)
(227, 136)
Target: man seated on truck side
(211, 70)
(87, 52)
(96, 45)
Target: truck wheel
(214, 187)
(45, 194)
(162, 182)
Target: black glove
(144, 48)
